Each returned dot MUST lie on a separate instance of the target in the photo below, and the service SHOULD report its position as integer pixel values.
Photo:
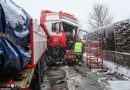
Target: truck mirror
(53, 27)
(57, 28)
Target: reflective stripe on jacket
(78, 47)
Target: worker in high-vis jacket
(78, 51)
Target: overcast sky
(80, 8)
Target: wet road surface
(79, 79)
(82, 78)
(74, 80)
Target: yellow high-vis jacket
(78, 48)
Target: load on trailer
(14, 38)
(61, 30)
(22, 46)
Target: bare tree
(100, 16)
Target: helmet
(79, 40)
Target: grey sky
(80, 8)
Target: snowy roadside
(117, 77)
(113, 67)
(117, 68)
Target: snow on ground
(117, 68)
(113, 67)
(85, 55)
(119, 85)
(111, 82)
(116, 84)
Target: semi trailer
(22, 48)
(25, 44)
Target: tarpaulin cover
(14, 37)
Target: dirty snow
(117, 68)
(119, 85)
(114, 84)
(85, 55)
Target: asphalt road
(81, 78)
(78, 81)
